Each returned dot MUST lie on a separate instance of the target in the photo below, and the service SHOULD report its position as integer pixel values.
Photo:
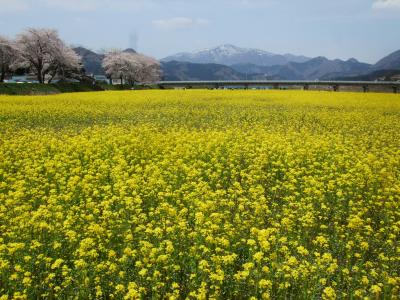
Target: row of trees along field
(43, 53)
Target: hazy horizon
(341, 29)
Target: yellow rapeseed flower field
(200, 195)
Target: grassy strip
(57, 88)
(45, 89)
(27, 89)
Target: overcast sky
(364, 29)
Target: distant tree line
(42, 52)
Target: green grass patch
(27, 89)
(46, 89)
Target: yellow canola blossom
(200, 195)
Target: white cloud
(386, 4)
(178, 23)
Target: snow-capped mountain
(232, 55)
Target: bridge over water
(278, 84)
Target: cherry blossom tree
(66, 64)
(119, 65)
(43, 52)
(150, 69)
(7, 56)
(131, 67)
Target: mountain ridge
(389, 62)
(317, 68)
(186, 71)
(229, 54)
